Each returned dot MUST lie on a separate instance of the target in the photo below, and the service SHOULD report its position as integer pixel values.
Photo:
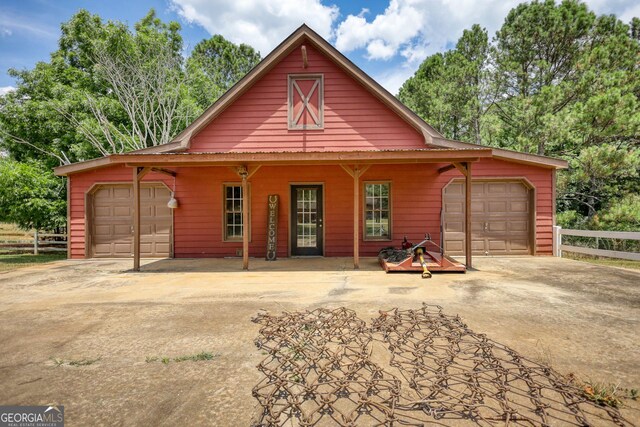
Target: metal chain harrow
(409, 367)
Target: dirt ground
(581, 318)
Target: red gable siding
(354, 118)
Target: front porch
(247, 168)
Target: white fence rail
(36, 242)
(558, 246)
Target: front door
(306, 220)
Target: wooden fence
(559, 246)
(35, 242)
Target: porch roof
(183, 159)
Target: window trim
(224, 211)
(290, 79)
(364, 213)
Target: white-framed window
(306, 101)
(377, 211)
(232, 212)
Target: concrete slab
(582, 318)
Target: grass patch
(603, 394)
(15, 261)
(611, 262)
(79, 362)
(12, 233)
(204, 355)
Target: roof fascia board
(501, 153)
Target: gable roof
(182, 141)
(432, 137)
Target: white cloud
(393, 79)
(10, 24)
(415, 29)
(404, 34)
(401, 21)
(6, 89)
(262, 24)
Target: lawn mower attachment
(417, 258)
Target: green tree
(447, 88)
(108, 88)
(558, 80)
(30, 196)
(215, 65)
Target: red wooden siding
(353, 118)
(416, 193)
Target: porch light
(173, 202)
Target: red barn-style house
(353, 169)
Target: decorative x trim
(317, 117)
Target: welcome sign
(272, 227)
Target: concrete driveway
(580, 318)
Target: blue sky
(387, 38)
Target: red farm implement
(418, 258)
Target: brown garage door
(112, 221)
(500, 223)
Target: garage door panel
(102, 211)
(495, 188)
(476, 227)
(477, 206)
(162, 210)
(103, 230)
(123, 248)
(454, 207)
(452, 246)
(500, 218)
(163, 247)
(518, 245)
(477, 189)
(518, 226)
(113, 219)
(454, 227)
(122, 211)
(477, 245)
(122, 229)
(122, 193)
(499, 206)
(147, 211)
(497, 226)
(454, 189)
(162, 230)
(497, 245)
(519, 206)
(102, 249)
(518, 189)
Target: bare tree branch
(61, 157)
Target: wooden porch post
(356, 218)
(136, 219)
(467, 215)
(356, 173)
(245, 221)
(138, 174)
